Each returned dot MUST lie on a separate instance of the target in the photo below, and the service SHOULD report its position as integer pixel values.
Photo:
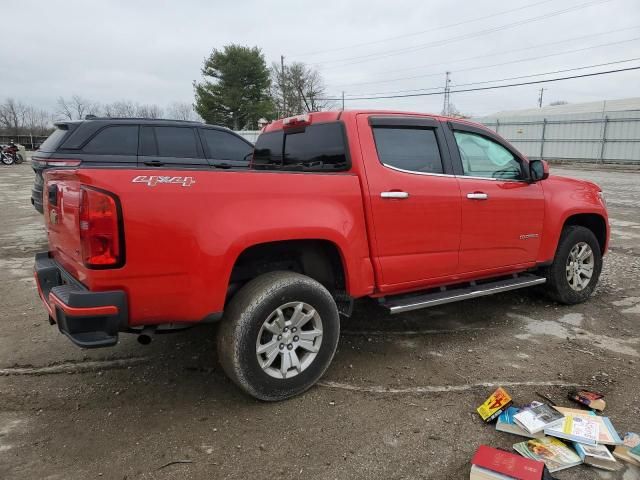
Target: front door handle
(153, 163)
(477, 196)
(394, 195)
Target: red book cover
(508, 463)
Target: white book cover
(595, 451)
(577, 429)
(537, 417)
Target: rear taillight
(100, 234)
(54, 162)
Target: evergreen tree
(234, 91)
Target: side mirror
(538, 170)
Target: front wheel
(7, 159)
(279, 335)
(574, 273)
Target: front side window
(482, 157)
(179, 142)
(316, 148)
(411, 149)
(223, 145)
(267, 154)
(118, 140)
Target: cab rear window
(316, 148)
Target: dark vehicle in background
(134, 142)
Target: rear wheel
(7, 159)
(279, 335)
(576, 268)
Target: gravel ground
(398, 401)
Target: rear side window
(176, 142)
(225, 146)
(54, 140)
(116, 140)
(411, 149)
(318, 148)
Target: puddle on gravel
(567, 326)
(18, 268)
(632, 302)
(8, 426)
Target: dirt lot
(398, 401)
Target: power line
(573, 39)
(564, 70)
(521, 60)
(422, 32)
(388, 53)
(500, 79)
(535, 82)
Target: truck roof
(335, 115)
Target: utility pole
(540, 97)
(282, 87)
(447, 93)
(343, 100)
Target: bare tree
(12, 116)
(37, 121)
(122, 108)
(76, 107)
(297, 89)
(149, 111)
(182, 111)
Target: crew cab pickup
(414, 210)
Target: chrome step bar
(456, 294)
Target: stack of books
(559, 438)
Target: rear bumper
(89, 319)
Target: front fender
(565, 198)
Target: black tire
(558, 286)
(242, 323)
(7, 159)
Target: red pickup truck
(414, 210)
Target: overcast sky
(151, 51)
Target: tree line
(237, 90)
(19, 118)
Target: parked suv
(136, 142)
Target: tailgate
(61, 206)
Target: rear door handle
(394, 195)
(477, 196)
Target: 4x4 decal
(153, 180)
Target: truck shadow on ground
(184, 364)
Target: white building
(605, 131)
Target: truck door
(502, 212)
(414, 200)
